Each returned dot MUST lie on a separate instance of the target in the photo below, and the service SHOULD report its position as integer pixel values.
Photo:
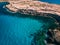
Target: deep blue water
(16, 30)
(52, 1)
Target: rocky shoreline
(38, 6)
(34, 8)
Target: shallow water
(17, 30)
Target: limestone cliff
(33, 7)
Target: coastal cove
(20, 29)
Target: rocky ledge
(33, 7)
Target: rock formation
(33, 6)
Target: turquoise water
(17, 30)
(14, 30)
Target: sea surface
(17, 30)
(52, 1)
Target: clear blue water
(16, 30)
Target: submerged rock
(54, 37)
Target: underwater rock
(54, 37)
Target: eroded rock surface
(38, 6)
